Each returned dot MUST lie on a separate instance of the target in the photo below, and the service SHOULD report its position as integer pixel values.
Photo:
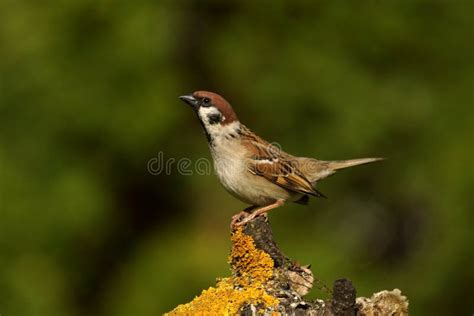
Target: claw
(237, 218)
(245, 220)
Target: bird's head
(211, 108)
(215, 113)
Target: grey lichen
(383, 303)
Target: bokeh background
(88, 96)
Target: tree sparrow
(253, 170)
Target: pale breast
(231, 167)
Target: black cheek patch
(214, 118)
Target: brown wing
(284, 174)
(276, 166)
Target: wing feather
(278, 167)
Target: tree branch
(265, 281)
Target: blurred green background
(88, 95)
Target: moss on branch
(251, 270)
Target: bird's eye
(206, 102)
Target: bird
(253, 170)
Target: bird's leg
(260, 211)
(243, 214)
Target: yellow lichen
(251, 270)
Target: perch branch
(265, 281)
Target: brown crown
(220, 103)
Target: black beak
(189, 99)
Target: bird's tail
(343, 164)
(320, 169)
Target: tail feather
(320, 169)
(342, 164)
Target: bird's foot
(237, 218)
(243, 218)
